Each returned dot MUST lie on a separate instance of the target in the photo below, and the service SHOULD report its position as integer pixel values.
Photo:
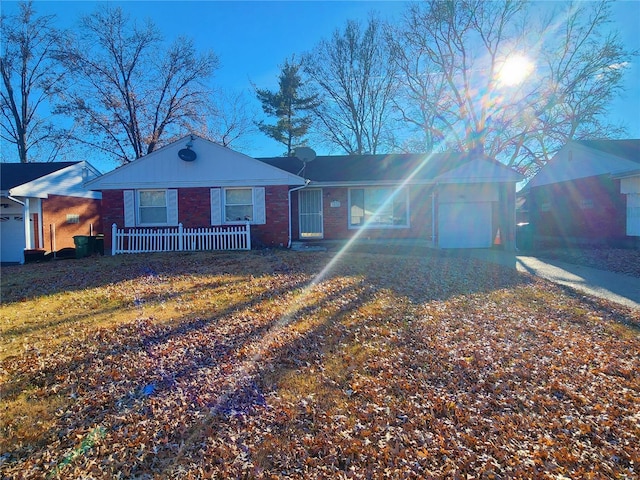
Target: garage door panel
(464, 225)
(11, 238)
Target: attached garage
(465, 215)
(44, 205)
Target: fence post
(180, 240)
(114, 240)
(248, 236)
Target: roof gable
(214, 165)
(589, 158)
(394, 168)
(69, 181)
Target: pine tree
(288, 106)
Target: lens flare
(514, 70)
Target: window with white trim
(378, 207)
(238, 205)
(152, 207)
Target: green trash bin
(82, 245)
(91, 248)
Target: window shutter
(129, 208)
(216, 207)
(172, 207)
(259, 210)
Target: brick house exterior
(451, 200)
(199, 192)
(588, 194)
(585, 210)
(194, 211)
(44, 205)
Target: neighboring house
(452, 200)
(197, 183)
(43, 205)
(588, 193)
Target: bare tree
(132, 94)
(353, 74)
(30, 78)
(231, 119)
(453, 76)
(585, 68)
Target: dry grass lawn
(276, 364)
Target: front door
(310, 208)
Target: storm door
(310, 208)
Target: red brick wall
(55, 210)
(275, 233)
(194, 210)
(194, 207)
(112, 212)
(585, 210)
(336, 221)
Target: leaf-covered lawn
(278, 364)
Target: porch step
(307, 247)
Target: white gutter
(15, 200)
(306, 183)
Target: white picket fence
(179, 239)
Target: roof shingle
(14, 174)
(374, 168)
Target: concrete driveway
(616, 287)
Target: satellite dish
(187, 155)
(305, 154)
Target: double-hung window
(238, 205)
(378, 207)
(152, 207)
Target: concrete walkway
(616, 287)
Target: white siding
(630, 184)
(468, 193)
(214, 165)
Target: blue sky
(252, 39)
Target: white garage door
(465, 225)
(11, 238)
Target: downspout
(306, 183)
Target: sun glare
(515, 70)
